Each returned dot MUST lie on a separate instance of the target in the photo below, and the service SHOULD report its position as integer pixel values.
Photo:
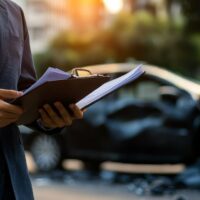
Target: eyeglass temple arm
(75, 71)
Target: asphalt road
(101, 192)
(81, 192)
(84, 185)
(77, 184)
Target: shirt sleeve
(28, 74)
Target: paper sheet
(110, 87)
(52, 74)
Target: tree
(191, 9)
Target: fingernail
(20, 93)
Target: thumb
(9, 94)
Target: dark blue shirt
(16, 72)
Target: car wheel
(46, 152)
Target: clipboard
(56, 85)
(66, 91)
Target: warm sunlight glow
(113, 6)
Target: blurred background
(165, 33)
(69, 33)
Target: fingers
(9, 94)
(63, 113)
(8, 113)
(4, 123)
(8, 116)
(58, 121)
(84, 110)
(46, 120)
(78, 114)
(52, 119)
(6, 107)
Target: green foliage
(138, 35)
(191, 10)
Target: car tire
(46, 153)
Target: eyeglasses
(81, 72)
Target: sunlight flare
(113, 6)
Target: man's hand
(61, 118)
(9, 113)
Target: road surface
(96, 192)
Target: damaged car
(154, 120)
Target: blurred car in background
(154, 120)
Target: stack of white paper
(110, 87)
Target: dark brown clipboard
(66, 91)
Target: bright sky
(113, 6)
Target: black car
(154, 120)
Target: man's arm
(28, 74)
(8, 113)
(49, 118)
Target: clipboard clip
(80, 72)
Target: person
(16, 74)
